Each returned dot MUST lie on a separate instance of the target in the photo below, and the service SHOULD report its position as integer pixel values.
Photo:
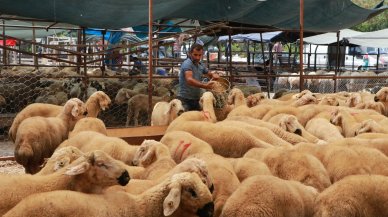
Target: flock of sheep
(303, 154)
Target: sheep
(236, 97)
(38, 137)
(192, 165)
(182, 194)
(287, 136)
(115, 147)
(164, 113)
(123, 95)
(35, 109)
(183, 144)
(96, 102)
(207, 101)
(258, 111)
(224, 178)
(227, 141)
(348, 123)
(261, 133)
(328, 100)
(155, 157)
(359, 195)
(293, 165)
(247, 167)
(269, 196)
(323, 129)
(377, 106)
(382, 96)
(90, 174)
(2, 101)
(290, 123)
(60, 158)
(255, 99)
(378, 141)
(371, 126)
(89, 124)
(138, 103)
(342, 161)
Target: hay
(220, 91)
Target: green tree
(376, 23)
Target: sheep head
(187, 189)
(233, 94)
(255, 99)
(103, 100)
(207, 98)
(353, 100)
(306, 99)
(382, 95)
(75, 107)
(336, 117)
(198, 166)
(299, 95)
(100, 169)
(149, 152)
(369, 126)
(329, 100)
(62, 157)
(175, 107)
(290, 123)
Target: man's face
(196, 55)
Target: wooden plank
(136, 135)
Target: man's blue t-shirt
(186, 91)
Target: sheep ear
(169, 109)
(148, 157)
(282, 124)
(171, 202)
(127, 94)
(78, 169)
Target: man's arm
(193, 82)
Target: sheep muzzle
(206, 211)
(124, 178)
(376, 99)
(298, 132)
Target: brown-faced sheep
(96, 102)
(38, 137)
(182, 194)
(89, 173)
(269, 196)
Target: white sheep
(293, 165)
(182, 194)
(192, 165)
(346, 121)
(117, 148)
(89, 124)
(138, 103)
(60, 158)
(323, 129)
(38, 137)
(269, 196)
(155, 158)
(255, 99)
(359, 195)
(164, 113)
(382, 96)
(90, 174)
(96, 102)
(183, 144)
(224, 178)
(247, 167)
(287, 136)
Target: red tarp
(8, 42)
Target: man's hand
(209, 85)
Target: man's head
(196, 53)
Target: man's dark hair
(197, 47)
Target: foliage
(376, 23)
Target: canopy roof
(267, 36)
(377, 39)
(330, 37)
(319, 15)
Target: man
(190, 79)
(277, 52)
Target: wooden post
(301, 23)
(150, 35)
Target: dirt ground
(8, 166)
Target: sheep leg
(135, 117)
(129, 115)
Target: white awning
(377, 39)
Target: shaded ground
(6, 148)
